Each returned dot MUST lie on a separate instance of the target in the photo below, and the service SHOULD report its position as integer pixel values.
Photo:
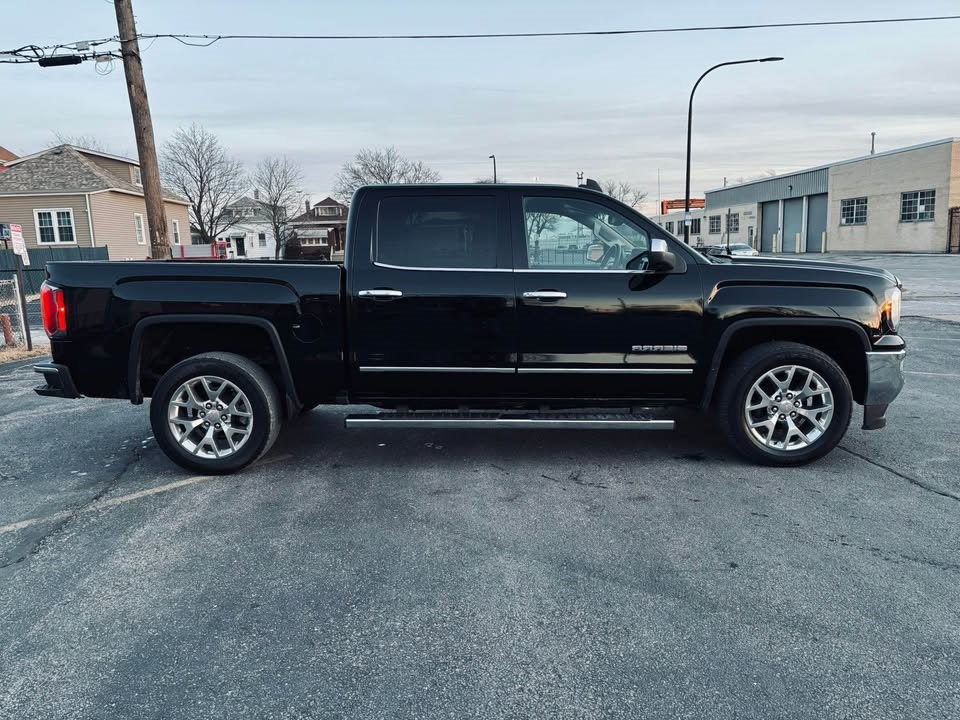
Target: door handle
(545, 295)
(380, 293)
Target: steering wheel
(612, 257)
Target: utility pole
(143, 127)
(873, 143)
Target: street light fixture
(686, 203)
(494, 158)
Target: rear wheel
(784, 403)
(215, 413)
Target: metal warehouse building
(904, 200)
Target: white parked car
(734, 249)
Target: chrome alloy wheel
(210, 417)
(789, 408)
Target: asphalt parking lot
(414, 574)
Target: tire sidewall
(842, 402)
(192, 368)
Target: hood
(824, 266)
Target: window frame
(695, 223)
(856, 205)
(733, 223)
(136, 175)
(710, 219)
(56, 226)
(140, 233)
(261, 239)
(668, 226)
(917, 218)
(175, 227)
(500, 226)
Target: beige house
(72, 197)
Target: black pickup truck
(475, 306)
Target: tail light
(53, 309)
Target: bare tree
(195, 165)
(279, 182)
(87, 142)
(378, 166)
(623, 191)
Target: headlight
(891, 308)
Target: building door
(769, 224)
(792, 224)
(241, 247)
(592, 320)
(816, 222)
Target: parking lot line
(921, 372)
(112, 502)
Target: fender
(738, 325)
(292, 401)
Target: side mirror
(595, 252)
(661, 259)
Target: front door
(431, 293)
(594, 321)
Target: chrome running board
(531, 421)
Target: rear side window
(437, 232)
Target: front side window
(714, 224)
(853, 211)
(579, 235)
(138, 229)
(733, 222)
(437, 232)
(54, 226)
(917, 206)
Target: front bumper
(57, 381)
(884, 383)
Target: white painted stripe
(920, 372)
(113, 502)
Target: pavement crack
(37, 543)
(912, 480)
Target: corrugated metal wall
(812, 182)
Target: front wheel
(215, 413)
(784, 403)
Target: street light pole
(686, 203)
(494, 158)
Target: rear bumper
(57, 381)
(884, 383)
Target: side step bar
(534, 421)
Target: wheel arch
(282, 374)
(820, 333)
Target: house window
(139, 229)
(918, 206)
(176, 232)
(262, 239)
(853, 211)
(327, 210)
(733, 222)
(137, 176)
(54, 226)
(714, 224)
(670, 226)
(695, 226)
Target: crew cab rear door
(589, 327)
(431, 294)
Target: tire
(773, 441)
(244, 386)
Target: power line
(207, 40)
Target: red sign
(668, 205)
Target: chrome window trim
(441, 269)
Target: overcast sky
(614, 107)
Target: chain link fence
(12, 330)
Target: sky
(612, 107)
